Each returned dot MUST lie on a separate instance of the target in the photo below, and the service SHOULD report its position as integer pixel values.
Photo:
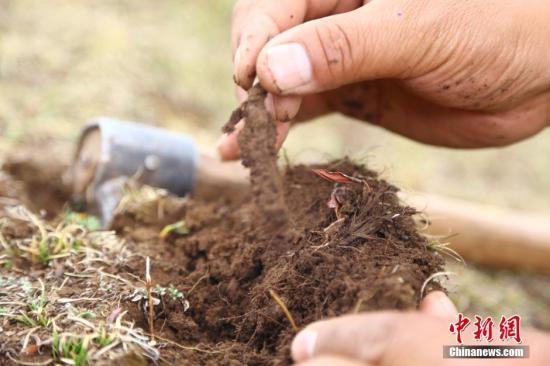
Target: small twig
(64, 300)
(429, 279)
(149, 287)
(285, 310)
(187, 348)
(196, 283)
(46, 362)
(357, 307)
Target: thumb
(437, 303)
(372, 42)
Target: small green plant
(178, 227)
(25, 319)
(103, 338)
(43, 252)
(85, 314)
(72, 350)
(38, 308)
(47, 243)
(174, 293)
(90, 222)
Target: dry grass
(67, 311)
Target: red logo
(484, 329)
(509, 328)
(459, 326)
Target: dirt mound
(39, 181)
(309, 244)
(373, 259)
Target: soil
(323, 247)
(39, 182)
(375, 260)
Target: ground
(168, 63)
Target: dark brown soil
(374, 260)
(324, 248)
(38, 182)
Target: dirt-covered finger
(254, 24)
(437, 303)
(228, 147)
(283, 108)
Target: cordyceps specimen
(257, 143)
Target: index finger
(255, 22)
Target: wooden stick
(488, 235)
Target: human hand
(395, 338)
(471, 73)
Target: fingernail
(270, 106)
(290, 65)
(303, 345)
(444, 305)
(236, 65)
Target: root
(149, 288)
(285, 310)
(429, 279)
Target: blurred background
(168, 63)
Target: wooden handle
(215, 178)
(488, 235)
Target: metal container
(110, 151)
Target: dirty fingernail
(303, 345)
(236, 65)
(290, 65)
(270, 106)
(437, 303)
(445, 304)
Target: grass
(48, 243)
(72, 350)
(82, 329)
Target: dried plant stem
(149, 288)
(285, 310)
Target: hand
(468, 73)
(394, 339)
